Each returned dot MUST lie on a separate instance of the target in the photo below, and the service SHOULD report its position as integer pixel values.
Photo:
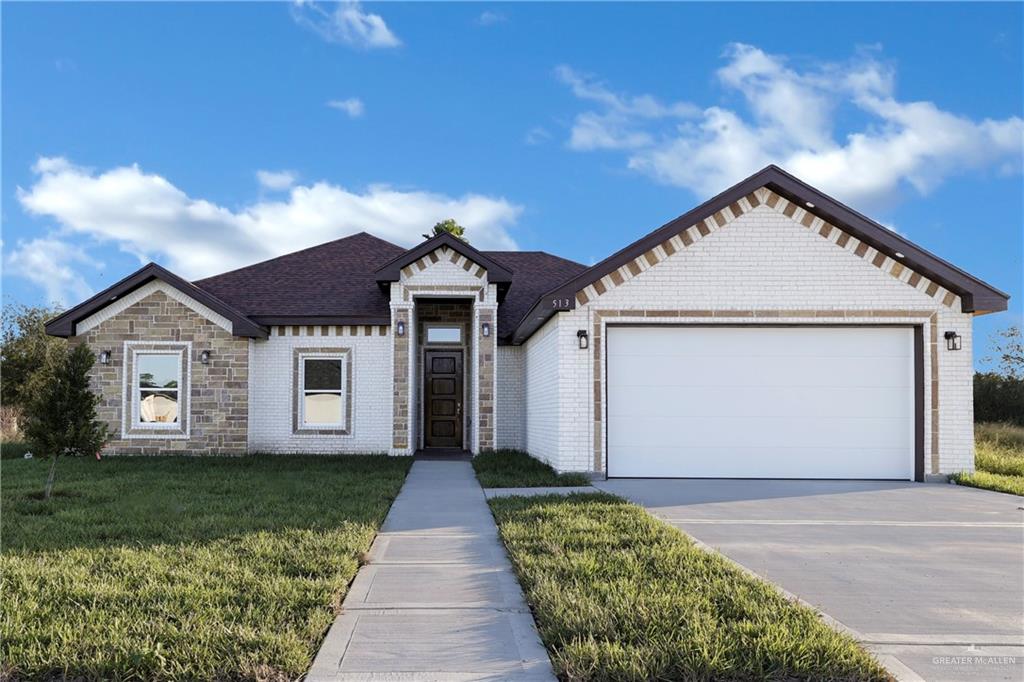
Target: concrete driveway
(929, 577)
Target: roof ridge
(361, 233)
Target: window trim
(299, 356)
(131, 427)
(444, 325)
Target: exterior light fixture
(485, 329)
(401, 327)
(953, 341)
(104, 357)
(204, 357)
(583, 339)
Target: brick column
(401, 345)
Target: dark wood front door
(443, 397)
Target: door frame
(918, 359)
(441, 348)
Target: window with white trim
(323, 391)
(158, 381)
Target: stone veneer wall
(217, 404)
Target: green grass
(516, 469)
(179, 568)
(619, 595)
(998, 459)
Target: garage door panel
(867, 342)
(767, 462)
(859, 434)
(741, 372)
(791, 402)
(765, 401)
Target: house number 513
(559, 303)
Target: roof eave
(975, 294)
(64, 325)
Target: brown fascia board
(64, 324)
(392, 270)
(976, 295)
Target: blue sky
(209, 136)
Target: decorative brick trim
(411, 291)
(297, 357)
(673, 316)
(130, 429)
(330, 330)
(799, 215)
(401, 401)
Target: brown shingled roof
(334, 280)
(337, 280)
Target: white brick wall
(765, 261)
(541, 371)
(510, 403)
(271, 392)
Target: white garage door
(761, 402)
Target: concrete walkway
(438, 599)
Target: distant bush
(998, 398)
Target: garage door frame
(918, 330)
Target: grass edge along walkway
(620, 595)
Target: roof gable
(975, 295)
(392, 270)
(66, 323)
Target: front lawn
(177, 568)
(516, 469)
(998, 459)
(619, 595)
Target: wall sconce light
(204, 357)
(485, 329)
(104, 357)
(583, 339)
(401, 327)
(953, 341)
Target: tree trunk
(49, 479)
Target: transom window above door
(444, 334)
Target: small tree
(61, 410)
(449, 226)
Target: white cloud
(617, 125)
(353, 106)
(537, 135)
(276, 180)
(345, 23)
(147, 215)
(48, 262)
(790, 119)
(489, 18)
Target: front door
(442, 395)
